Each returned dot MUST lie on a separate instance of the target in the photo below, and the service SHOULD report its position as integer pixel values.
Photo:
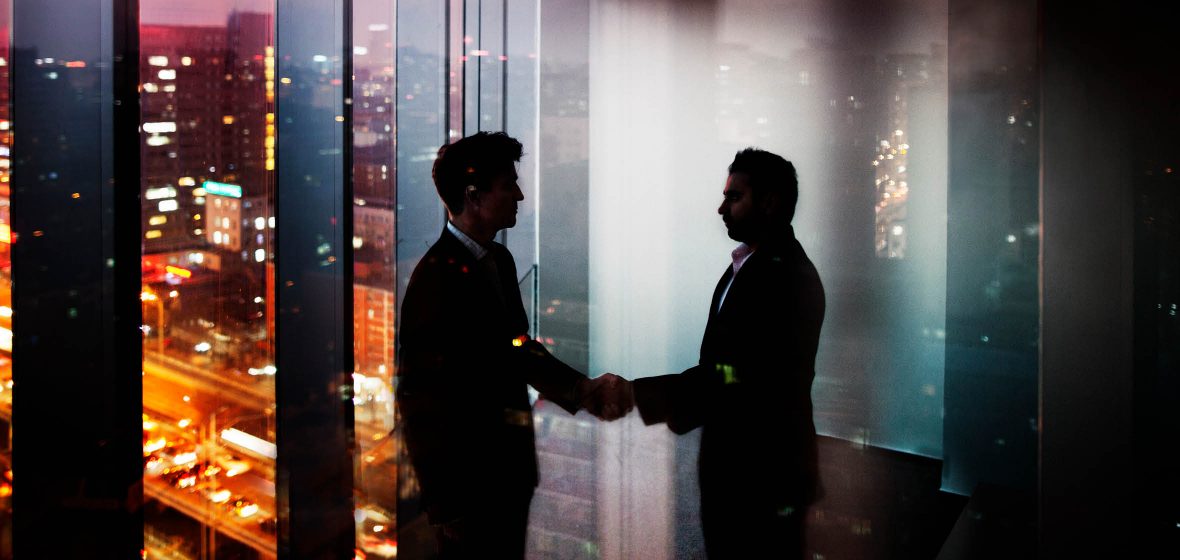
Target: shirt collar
(740, 255)
(477, 250)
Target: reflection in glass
(207, 78)
(5, 286)
(625, 244)
(428, 110)
(617, 269)
(993, 265)
(858, 99)
(374, 273)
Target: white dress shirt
(740, 255)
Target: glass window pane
(630, 114)
(428, 110)
(992, 313)
(374, 273)
(207, 78)
(74, 185)
(5, 284)
(642, 106)
(857, 100)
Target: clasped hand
(608, 397)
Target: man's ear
(771, 203)
(470, 194)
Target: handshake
(608, 396)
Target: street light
(148, 295)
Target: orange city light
(181, 272)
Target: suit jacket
(464, 363)
(751, 390)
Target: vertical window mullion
(75, 186)
(315, 436)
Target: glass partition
(374, 202)
(6, 383)
(640, 107)
(207, 83)
(618, 245)
(857, 100)
(619, 151)
(428, 111)
(74, 237)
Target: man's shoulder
(445, 256)
(445, 247)
(436, 276)
(778, 259)
(783, 266)
(500, 251)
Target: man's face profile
(738, 209)
(497, 205)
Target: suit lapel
(714, 323)
(482, 290)
(735, 298)
(513, 302)
(717, 291)
(497, 303)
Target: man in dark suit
(465, 359)
(751, 391)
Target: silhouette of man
(751, 391)
(465, 359)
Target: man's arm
(557, 382)
(606, 397)
(678, 399)
(755, 361)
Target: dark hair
(474, 160)
(767, 173)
